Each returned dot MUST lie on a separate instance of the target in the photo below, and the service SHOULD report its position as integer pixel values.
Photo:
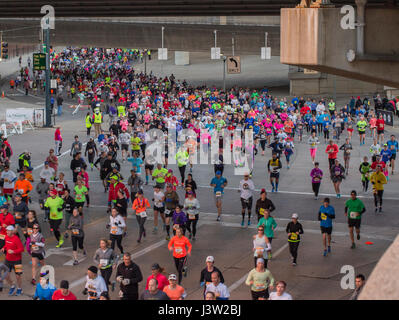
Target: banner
(19, 115)
(386, 115)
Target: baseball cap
(294, 216)
(218, 173)
(261, 260)
(53, 192)
(172, 277)
(155, 266)
(210, 259)
(10, 228)
(263, 191)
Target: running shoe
(376, 210)
(60, 243)
(358, 236)
(294, 264)
(380, 209)
(185, 271)
(12, 290)
(33, 282)
(242, 223)
(325, 253)
(218, 219)
(249, 222)
(138, 240)
(19, 292)
(353, 246)
(273, 189)
(329, 249)
(84, 253)
(76, 262)
(154, 230)
(194, 239)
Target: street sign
(234, 65)
(162, 53)
(265, 53)
(53, 84)
(39, 61)
(215, 53)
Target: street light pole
(224, 73)
(48, 106)
(145, 62)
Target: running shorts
(326, 230)
(354, 223)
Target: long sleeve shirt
(247, 188)
(261, 280)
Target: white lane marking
(57, 251)
(134, 256)
(240, 281)
(62, 154)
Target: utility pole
(47, 52)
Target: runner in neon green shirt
(55, 205)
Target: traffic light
(4, 50)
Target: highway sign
(39, 61)
(233, 64)
(162, 54)
(215, 53)
(265, 53)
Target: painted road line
(70, 262)
(240, 281)
(134, 256)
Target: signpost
(233, 65)
(39, 61)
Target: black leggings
(179, 263)
(118, 239)
(326, 134)
(182, 170)
(294, 250)
(76, 241)
(194, 223)
(262, 144)
(55, 227)
(378, 197)
(106, 274)
(141, 222)
(365, 184)
(316, 187)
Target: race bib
(114, 230)
(191, 216)
(218, 193)
(53, 215)
(90, 150)
(178, 250)
(259, 286)
(262, 211)
(323, 216)
(167, 211)
(294, 236)
(143, 214)
(18, 215)
(353, 215)
(78, 169)
(259, 252)
(21, 191)
(29, 231)
(78, 197)
(104, 262)
(75, 231)
(316, 179)
(34, 247)
(2, 236)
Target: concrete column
(361, 4)
(182, 58)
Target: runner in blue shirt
(393, 147)
(326, 214)
(385, 154)
(218, 183)
(136, 163)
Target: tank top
(260, 243)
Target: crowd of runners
(123, 106)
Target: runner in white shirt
(219, 289)
(9, 178)
(47, 173)
(246, 194)
(280, 293)
(95, 284)
(159, 207)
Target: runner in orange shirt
(140, 205)
(23, 187)
(173, 290)
(178, 244)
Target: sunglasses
(35, 228)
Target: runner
(365, 169)
(354, 208)
(20, 213)
(182, 158)
(173, 290)
(80, 191)
(380, 128)
(192, 206)
(159, 207)
(262, 204)
(219, 289)
(260, 279)
(337, 172)
(116, 225)
(262, 246)
(139, 206)
(9, 178)
(325, 216)
(23, 187)
(393, 147)
(171, 201)
(179, 219)
(280, 293)
(13, 249)
(269, 225)
(378, 180)
(218, 183)
(246, 190)
(206, 273)
(347, 147)
(313, 141)
(294, 230)
(332, 151)
(157, 273)
(361, 127)
(178, 245)
(273, 167)
(153, 293)
(129, 275)
(106, 260)
(95, 284)
(91, 152)
(159, 175)
(77, 235)
(55, 205)
(63, 293)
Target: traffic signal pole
(47, 87)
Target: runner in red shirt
(63, 293)
(332, 150)
(13, 249)
(6, 219)
(157, 274)
(380, 128)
